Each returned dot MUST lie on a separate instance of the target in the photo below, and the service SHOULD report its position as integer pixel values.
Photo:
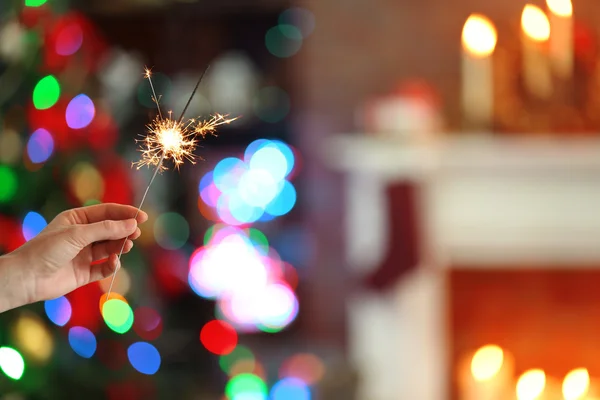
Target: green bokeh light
(118, 315)
(245, 384)
(238, 354)
(283, 40)
(11, 363)
(171, 231)
(35, 3)
(46, 93)
(208, 235)
(259, 239)
(8, 184)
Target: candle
(537, 76)
(576, 384)
(561, 39)
(486, 375)
(479, 39)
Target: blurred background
(405, 209)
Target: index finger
(109, 211)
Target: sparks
(170, 139)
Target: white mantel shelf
(394, 158)
(487, 200)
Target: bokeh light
(144, 357)
(10, 147)
(40, 146)
(46, 93)
(117, 315)
(35, 3)
(239, 354)
(271, 104)
(33, 337)
(148, 323)
(82, 341)
(309, 368)
(113, 295)
(171, 231)
(283, 40)
(33, 224)
(58, 310)
(301, 18)
(80, 112)
(8, 183)
(69, 39)
(86, 182)
(11, 363)
(218, 337)
(487, 362)
(121, 284)
(246, 385)
(290, 389)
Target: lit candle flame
(531, 384)
(576, 384)
(535, 23)
(562, 8)
(479, 36)
(487, 362)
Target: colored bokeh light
(279, 307)
(33, 224)
(309, 368)
(239, 354)
(33, 337)
(82, 341)
(80, 112)
(290, 389)
(113, 295)
(171, 231)
(219, 337)
(246, 385)
(40, 146)
(144, 357)
(10, 147)
(117, 315)
(283, 40)
(8, 183)
(284, 202)
(86, 182)
(69, 40)
(148, 323)
(46, 93)
(271, 104)
(35, 3)
(301, 18)
(58, 310)
(11, 363)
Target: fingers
(103, 250)
(108, 211)
(87, 234)
(104, 269)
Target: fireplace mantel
(488, 201)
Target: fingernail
(130, 243)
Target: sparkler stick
(170, 139)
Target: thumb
(103, 230)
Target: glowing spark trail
(168, 139)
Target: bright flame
(562, 8)
(535, 23)
(531, 384)
(576, 384)
(487, 362)
(479, 36)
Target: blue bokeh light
(40, 146)
(33, 224)
(80, 112)
(290, 389)
(82, 341)
(58, 310)
(144, 357)
(284, 202)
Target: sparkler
(169, 139)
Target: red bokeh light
(171, 272)
(219, 337)
(147, 323)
